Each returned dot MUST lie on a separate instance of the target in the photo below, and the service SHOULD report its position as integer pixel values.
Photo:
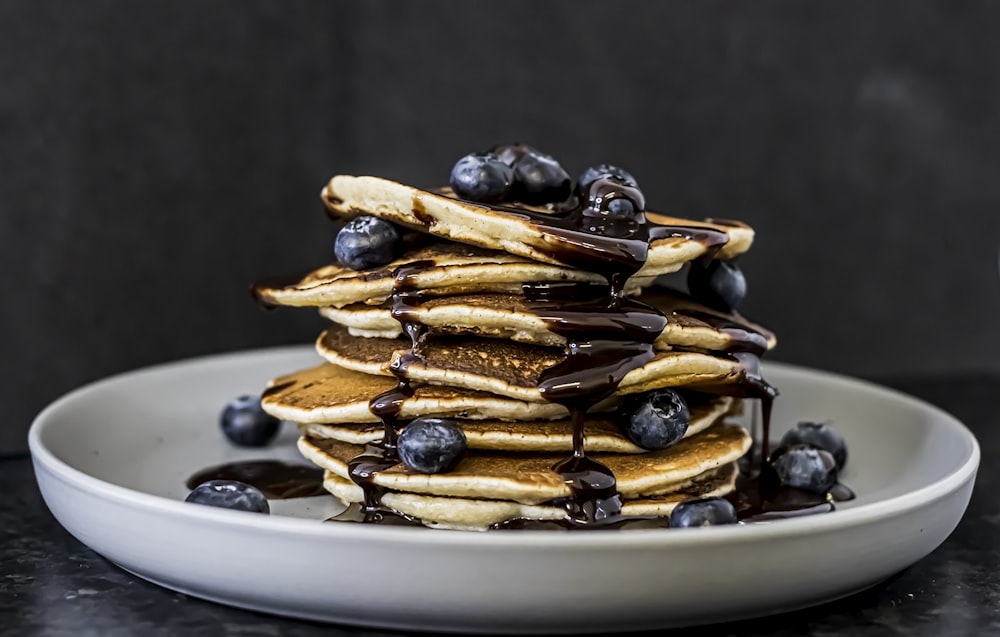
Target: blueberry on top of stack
(503, 352)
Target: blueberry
(229, 494)
(719, 284)
(367, 242)
(431, 445)
(510, 153)
(804, 467)
(820, 435)
(538, 179)
(482, 177)
(620, 208)
(612, 197)
(657, 419)
(703, 512)
(594, 173)
(246, 424)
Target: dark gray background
(156, 158)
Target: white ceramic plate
(111, 460)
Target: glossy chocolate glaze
(276, 480)
(759, 497)
(387, 406)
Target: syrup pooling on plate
(275, 479)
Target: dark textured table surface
(50, 584)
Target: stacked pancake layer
(536, 334)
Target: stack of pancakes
(533, 335)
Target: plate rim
(43, 457)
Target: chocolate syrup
(606, 336)
(759, 497)
(387, 405)
(579, 236)
(276, 480)
(744, 335)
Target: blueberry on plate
(820, 435)
(657, 419)
(806, 468)
(367, 242)
(229, 494)
(592, 174)
(481, 177)
(431, 445)
(245, 423)
(718, 283)
(703, 512)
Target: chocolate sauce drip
(581, 237)
(387, 517)
(607, 336)
(745, 336)
(362, 469)
(759, 497)
(387, 405)
(276, 480)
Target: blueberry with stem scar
(657, 419)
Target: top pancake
(484, 226)
(446, 269)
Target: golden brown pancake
(529, 478)
(507, 368)
(444, 268)
(510, 316)
(478, 515)
(330, 394)
(603, 432)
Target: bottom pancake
(481, 514)
(528, 478)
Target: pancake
(484, 226)
(602, 432)
(443, 269)
(478, 515)
(507, 368)
(331, 394)
(529, 478)
(510, 316)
